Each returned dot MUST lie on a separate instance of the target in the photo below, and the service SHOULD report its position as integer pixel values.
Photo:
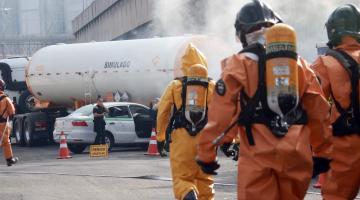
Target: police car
(126, 123)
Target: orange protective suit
(343, 180)
(8, 109)
(186, 174)
(274, 168)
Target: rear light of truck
(40, 124)
(79, 123)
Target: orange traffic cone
(64, 151)
(320, 181)
(152, 149)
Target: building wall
(8, 17)
(41, 17)
(27, 25)
(107, 20)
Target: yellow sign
(99, 150)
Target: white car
(126, 123)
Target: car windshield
(83, 111)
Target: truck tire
(26, 102)
(77, 148)
(109, 140)
(19, 137)
(28, 133)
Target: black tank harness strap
(245, 117)
(2, 119)
(170, 126)
(349, 120)
(188, 126)
(180, 120)
(248, 104)
(256, 110)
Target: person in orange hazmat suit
(7, 111)
(282, 110)
(338, 72)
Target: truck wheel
(109, 140)
(19, 137)
(77, 148)
(26, 102)
(28, 133)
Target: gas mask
(256, 37)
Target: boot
(191, 196)
(11, 161)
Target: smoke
(217, 17)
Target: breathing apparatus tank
(281, 69)
(196, 95)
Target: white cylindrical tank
(61, 74)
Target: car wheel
(77, 148)
(19, 137)
(28, 133)
(109, 140)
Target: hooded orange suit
(7, 108)
(274, 168)
(343, 179)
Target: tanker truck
(63, 77)
(13, 73)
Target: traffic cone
(152, 149)
(320, 181)
(64, 151)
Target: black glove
(208, 168)
(167, 146)
(230, 150)
(320, 165)
(160, 147)
(236, 149)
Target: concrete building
(27, 25)
(107, 20)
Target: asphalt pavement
(126, 174)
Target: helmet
(197, 70)
(345, 20)
(2, 85)
(252, 17)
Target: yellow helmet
(191, 57)
(197, 70)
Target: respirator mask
(256, 36)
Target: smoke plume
(217, 17)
